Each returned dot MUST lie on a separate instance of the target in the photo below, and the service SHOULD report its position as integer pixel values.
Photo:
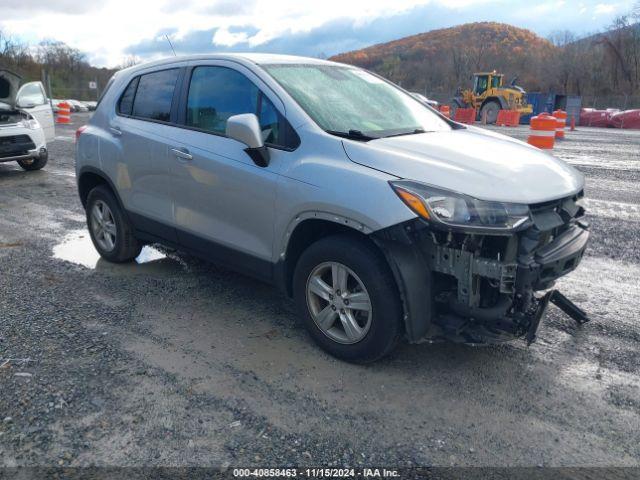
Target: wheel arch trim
(283, 269)
(96, 171)
(412, 275)
(342, 220)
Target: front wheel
(348, 299)
(490, 111)
(33, 163)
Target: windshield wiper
(352, 135)
(409, 132)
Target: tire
(33, 164)
(368, 275)
(125, 247)
(491, 109)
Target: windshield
(350, 101)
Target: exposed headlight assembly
(458, 210)
(30, 123)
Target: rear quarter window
(125, 104)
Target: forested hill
(68, 69)
(441, 60)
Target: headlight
(30, 123)
(460, 210)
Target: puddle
(76, 247)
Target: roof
(255, 58)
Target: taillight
(79, 131)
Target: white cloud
(106, 31)
(604, 8)
(229, 39)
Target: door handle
(182, 153)
(115, 131)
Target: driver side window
(217, 93)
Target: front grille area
(553, 218)
(15, 145)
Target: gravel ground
(175, 362)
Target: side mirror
(245, 128)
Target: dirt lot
(172, 361)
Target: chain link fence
(82, 93)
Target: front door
(32, 99)
(224, 202)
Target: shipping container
(570, 104)
(548, 102)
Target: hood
(473, 161)
(9, 84)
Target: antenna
(170, 44)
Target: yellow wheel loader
(489, 96)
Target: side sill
(153, 231)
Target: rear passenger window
(217, 93)
(125, 105)
(154, 95)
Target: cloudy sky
(109, 31)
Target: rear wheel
(348, 299)
(109, 228)
(490, 109)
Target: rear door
(31, 98)
(136, 155)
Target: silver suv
(379, 216)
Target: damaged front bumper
(481, 288)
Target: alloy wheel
(339, 302)
(103, 226)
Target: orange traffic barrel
(542, 132)
(561, 118)
(64, 113)
(445, 110)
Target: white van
(26, 122)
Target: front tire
(33, 163)
(347, 297)
(490, 109)
(109, 228)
